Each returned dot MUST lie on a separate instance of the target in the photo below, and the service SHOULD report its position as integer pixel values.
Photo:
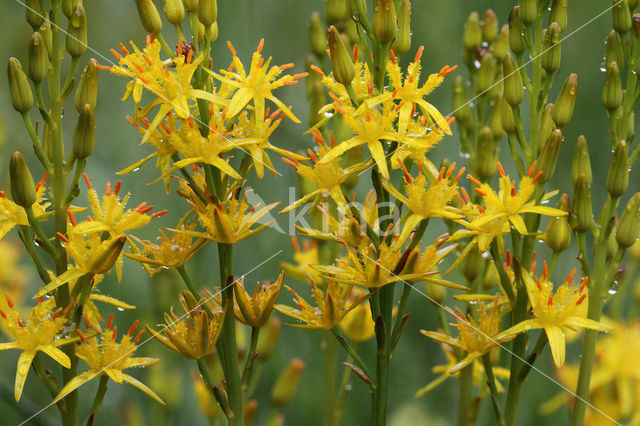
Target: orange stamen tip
(9, 301)
(115, 333)
(441, 174)
(474, 180)
(40, 299)
(133, 327)
(81, 335)
(535, 179)
(116, 189)
(286, 66)
(545, 270)
(479, 191)
(391, 55)
(68, 308)
(313, 156)
(124, 49)
(450, 169)
(550, 301)
(290, 162)
(355, 52)
(72, 218)
(317, 70)
(231, 48)
(110, 322)
(418, 54)
(160, 213)
(56, 313)
(508, 256)
(116, 54)
(3, 314)
(86, 323)
(581, 299)
(146, 209)
(62, 237)
(500, 168)
(450, 120)
(260, 45)
(294, 244)
(530, 171)
(20, 323)
(333, 138)
(147, 59)
(108, 189)
(447, 70)
(583, 283)
(465, 194)
(189, 56)
(140, 333)
(460, 173)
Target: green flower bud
(207, 12)
(316, 101)
(341, 63)
(384, 21)
(461, 107)
(500, 47)
(487, 73)
(335, 11)
(612, 91)
(149, 16)
(618, 176)
(35, 12)
(546, 126)
(102, 262)
(285, 387)
(317, 35)
(87, 91)
(582, 205)
(528, 11)
(496, 90)
(435, 293)
(77, 32)
(508, 120)
(472, 37)
(38, 58)
(621, 16)
(559, 13)
(213, 32)
(558, 233)
(47, 35)
(551, 48)
(632, 5)
(549, 157)
(190, 5)
(174, 9)
(513, 86)
(268, 339)
(68, 6)
(613, 49)
(581, 162)
(21, 96)
(566, 101)
(473, 265)
(402, 43)
(635, 45)
(23, 189)
(485, 156)
(629, 224)
(85, 134)
(495, 120)
(351, 30)
(612, 247)
(516, 32)
(489, 26)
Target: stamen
(62, 237)
(140, 333)
(260, 45)
(459, 175)
(530, 171)
(474, 180)
(545, 270)
(550, 301)
(583, 284)
(391, 55)
(579, 302)
(115, 333)
(465, 194)
(116, 190)
(116, 54)
(290, 162)
(535, 179)
(295, 244)
(72, 218)
(355, 52)
(108, 188)
(479, 191)
(81, 335)
(317, 70)
(133, 327)
(42, 181)
(231, 48)
(160, 213)
(124, 49)
(9, 301)
(333, 139)
(570, 276)
(110, 322)
(500, 168)
(418, 54)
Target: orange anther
(62, 237)
(317, 70)
(418, 54)
(103, 67)
(295, 245)
(147, 59)
(160, 213)
(508, 257)
(392, 56)
(179, 47)
(450, 169)
(479, 191)
(124, 49)
(114, 335)
(9, 301)
(108, 189)
(447, 70)
(133, 327)
(333, 139)
(500, 168)
(68, 308)
(530, 171)
(231, 48)
(81, 335)
(146, 210)
(290, 162)
(116, 189)
(189, 56)
(581, 299)
(56, 313)
(441, 173)
(116, 54)
(535, 179)
(313, 156)
(355, 52)
(474, 180)
(459, 197)
(3, 314)
(550, 301)
(42, 181)
(459, 175)
(72, 218)
(545, 270)
(286, 66)
(260, 45)
(110, 322)
(583, 283)
(140, 333)
(538, 283)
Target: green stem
(27, 240)
(350, 350)
(72, 70)
(206, 373)
(491, 381)
(466, 395)
(531, 359)
(35, 139)
(192, 288)
(46, 380)
(251, 356)
(165, 46)
(97, 401)
(330, 360)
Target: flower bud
(38, 58)
(612, 91)
(461, 107)
(341, 63)
(489, 26)
(495, 120)
(351, 30)
(87, 91)
(68, 6)
(35, 12)
(618, 176)
(551, 48)
(435, 293)
(335, 11)
(317, 35)
(500, 46)
(613, 49)
(21, 96)
(485, 156)
(149, 16)
(23, 189)
(316, 101)
(516, 32)
(629, 224)
(357, 323)
(77, 32)
(213, 32)
(513, 86)
(496, 90)
(581, 162)
(487, 73)
(473, 265)
(546, 126)
(102, 262)
(402, 43)
(85, 134)
(558, 233)
(621, 16)
(528, 11)
(559, 13)
(508, 120)
(268, 339)
(174, 9)
(582, 205)
(566, 101)
(472, 37)
(207, 12)
(384, 21)
(190, 5)
(549, 157)
(285, 387)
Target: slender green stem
(72, 70)
(352, 353)
(531, 359)
(35, 139)
(33, 222)
(206, 373)
(491, 382)
(27, 240)
(330, 360)
(342, 395)
(102, 390)
(466, 395)
(251, 356)
(42, 376)
(165, 46)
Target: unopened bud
(472, 37)
(384, 21)
(612, 91)
(528, 11)
(551, 48)
(38, 58)
(581, 162)
(495, 120)
(335, 11)
(85, 134)
(613, 49)
(618, 176)
(77, 32)
(207, 12)
(268, 338)
(341, 63)
(317, 35)
(559, 13)
(513, 86)
(508, 120)
(402, 43)
(487, 73)
(68, 6)
(621, 16)
(47, 36)
(489, 26)
(496, 90)
(516, 32)
(316, 101)
(629, 225)
(558, 233)
(485, 156)
(461, 108)
(546, 126)
(473, 265)
(190, 5)
(582, 205)
(174, 9)
(23, 189)
(285, 387)
(21, 96)
(109, 253)
(549, 157)
(500, 47)
(149, 16)
(213, 32)
(566, 102)
(435, 293)
(87, 91)
(35, 12)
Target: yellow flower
(12, 214)
(255, 310)
(555, 310)
(105, 356)
(476, 337)
(358, 324)
(43, 331)
(304, 257)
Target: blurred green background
(438, 26)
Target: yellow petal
(24, 362)
(518, 223)
(431, 385)
(67, 276)
(464, 362)
(557, 344)
(75, 383)
(135, 382)
(59, 356)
